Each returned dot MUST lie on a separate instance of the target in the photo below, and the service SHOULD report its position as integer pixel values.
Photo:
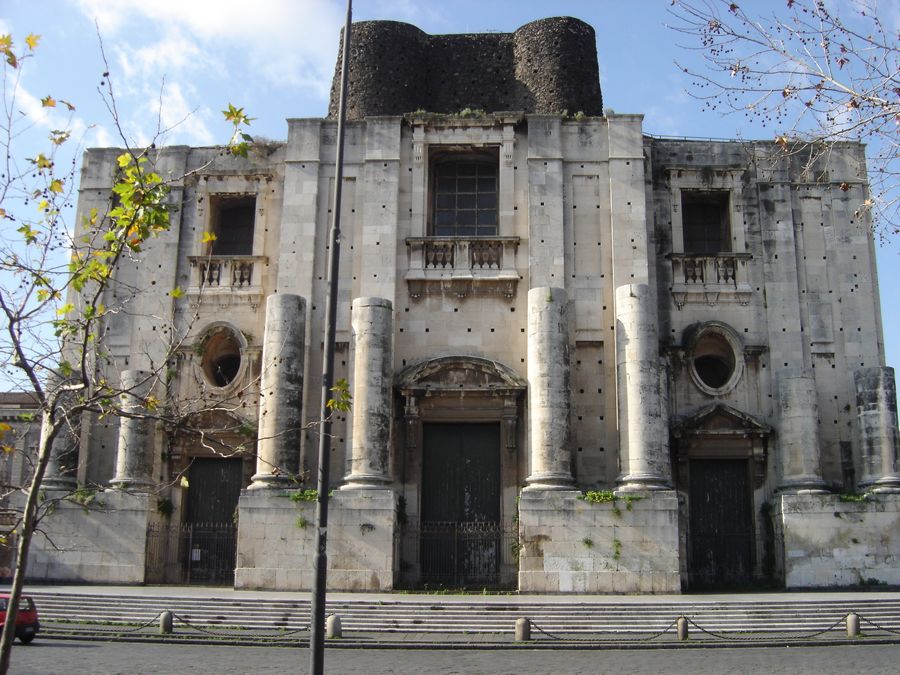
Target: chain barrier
(118, 630)
(878, 627)
(237, 628)
(752, 638)
(640, 638)
(796, 635)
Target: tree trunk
(26, 529)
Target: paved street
(53, 656)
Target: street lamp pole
(317, 618)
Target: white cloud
(287, 41)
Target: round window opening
(221, 358)
(714, 360)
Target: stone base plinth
(276, 540)
(101, 542)
(826, 542)
(569, 545)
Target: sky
(175, 64)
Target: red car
(27, 624)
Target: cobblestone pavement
(101, 658)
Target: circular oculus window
(222, 357)
(714, 363)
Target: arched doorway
(459, 470)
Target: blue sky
(177, 63)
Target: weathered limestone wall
(828, 542)
(101, 543)
(276, 541)
(572, 546)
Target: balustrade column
(134, 460)
(799, 432)
(549, 399)
(876, 411)
(642, 400)
(281, 392)
(373, 365)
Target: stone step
(468, 616)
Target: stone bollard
(333, 627)
(165, 623)
(681, 625)
(523, 630)
(852, 625)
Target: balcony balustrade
(710, 278)
(462, 265)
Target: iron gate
(458, 555)
(191, 553)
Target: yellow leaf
(32, 40)
(4, 427)
(56, 185)
(48, 102)
(2, 213)
(8, 449)
(176, 292)
(184, 482)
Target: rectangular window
(705, 222)
(232, 222)
(464, 191)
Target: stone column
(63, 463)
(799, 432)
(642, 399)
(548, 389)
(281, 392)
(373, 365)
(876, 411)
(134, 461)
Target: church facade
(581, 358)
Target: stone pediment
(719, 419)
(459, 373)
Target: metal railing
(200, 553)
(458, 554)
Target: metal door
(214, 486)
(461, 531)
(721, 524)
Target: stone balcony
(226, 279)
(710, 278)
(462, 266)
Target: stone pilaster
(548, 389)
(642, 399)
(876, 411)
(281, 392)
(134, 461)
(369, 464)
(63, 463)
(799, 432)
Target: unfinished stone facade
(582, 359)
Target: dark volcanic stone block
(547, 67)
